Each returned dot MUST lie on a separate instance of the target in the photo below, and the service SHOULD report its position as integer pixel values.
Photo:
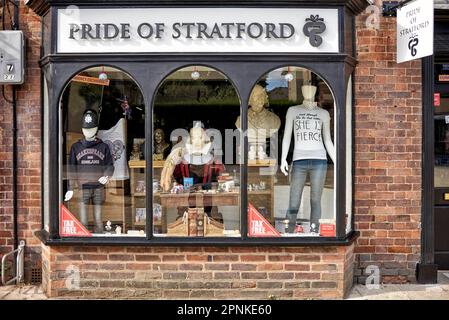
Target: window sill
(44, 237)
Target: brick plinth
(198, 273)
(388, 153)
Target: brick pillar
(387, 155)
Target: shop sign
(196, 30)
(258, 225)
(69, 226)
(443, 78)
(415, 30)
(91, 80)
(436, 99)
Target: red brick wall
(199, 273)
(388, 155)
(29, 148)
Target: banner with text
(69, 226)
(196, 30)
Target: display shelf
(141, 164)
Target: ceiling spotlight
(195, 75)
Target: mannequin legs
(317, 170)
(96, 196)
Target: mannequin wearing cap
(261, 122)
(310, 127)
(90, 166)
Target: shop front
(198, 152)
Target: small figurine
(108, 226)
(136, 154)
(118, 230)
(261, 153)
(177, 188)
(252, 152)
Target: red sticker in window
(69, 226)
(258, 225)
(436, 99)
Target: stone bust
(261, 122)
(160, 146)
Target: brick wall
(29, 164)
(388, 155)
(198, 273)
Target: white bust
(261, 122)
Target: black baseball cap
(90, 119)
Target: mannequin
(261, 122)
(90, 166)
(310, 125)
(190, 161)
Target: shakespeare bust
(261, 123)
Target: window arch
(291, 154)
(196, 174)
(102, 113)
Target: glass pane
(290, 123)
(101, 121)
(196, 190)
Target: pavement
(439, 291)
(412, 291)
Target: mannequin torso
(310, 125)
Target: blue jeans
(317, 169)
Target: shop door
(441, 185)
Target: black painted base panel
(426, 273)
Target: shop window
(291, 156)
(196, 174)
(101, 120)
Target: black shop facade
(167, 125)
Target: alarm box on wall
(12, 57)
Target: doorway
(441, 164)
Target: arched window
(291, 155)
(196, 189)
(102, 118)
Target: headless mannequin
(90, 136)
(311, 126)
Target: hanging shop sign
(415, 30)
(69, 226)
(196, 30)
(91, 80)
(258, 225)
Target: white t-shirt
(307, 126)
